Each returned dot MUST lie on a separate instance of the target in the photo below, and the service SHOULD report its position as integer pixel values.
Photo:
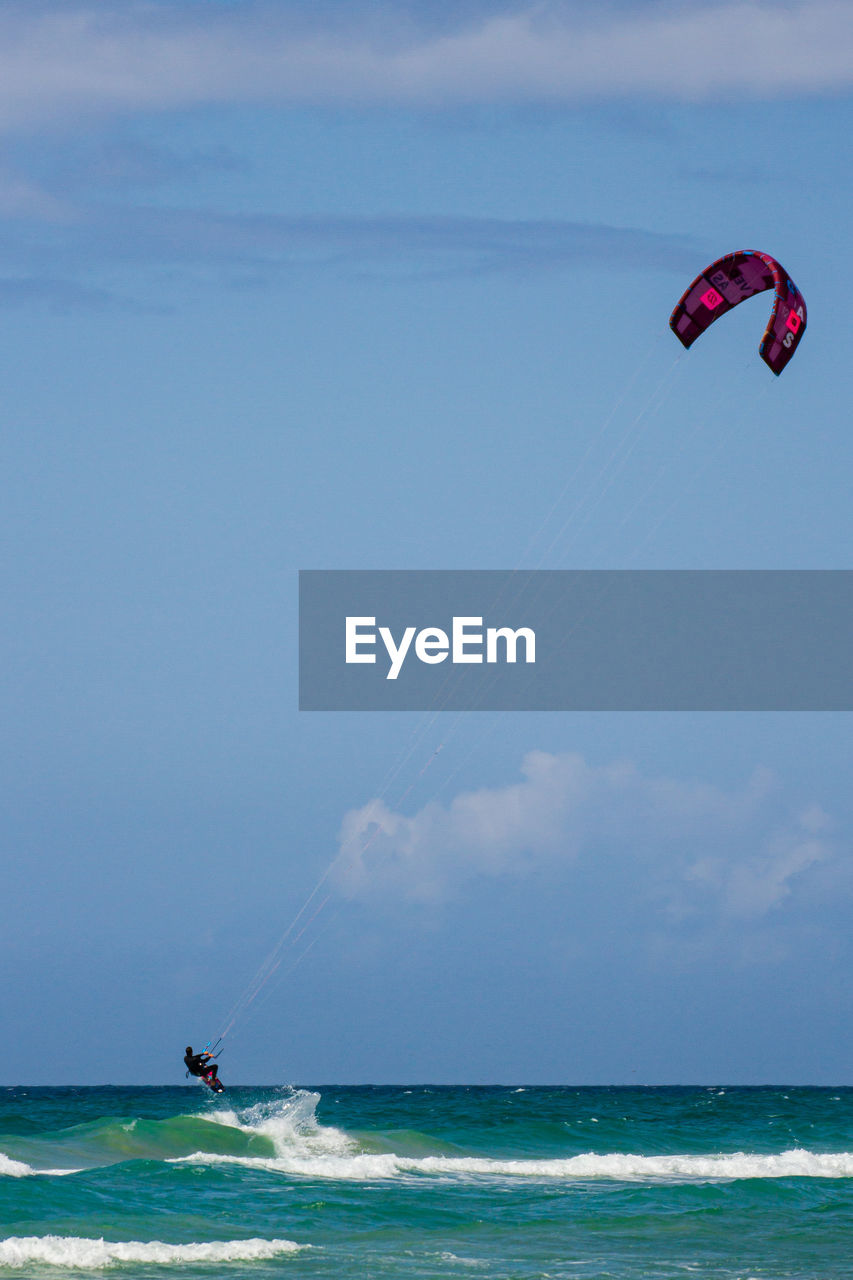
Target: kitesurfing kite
(731, 280)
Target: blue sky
(334, 285)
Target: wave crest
(616, 1167)
(10, 1168)
(77, 1251)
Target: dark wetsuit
(199, 1064)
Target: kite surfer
(202, 1065)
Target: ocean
(504, 1183)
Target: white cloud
(766, 880)
(60, 59)
(691, 845)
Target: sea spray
(290, 1123)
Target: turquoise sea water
(427, 1181)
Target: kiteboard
(214, 1084)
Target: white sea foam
(616, 1167)
(76, 1251)
(635, 1168)
(14, 1168)
(17, 1169)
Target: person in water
(201, 1064)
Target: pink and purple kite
(731, 280)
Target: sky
(362, 285)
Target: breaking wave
(76, 1251)
(616, 1167)
(304, 1148)
(113, 1140)
(18, 1169)
(281, 1135)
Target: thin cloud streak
(263, 250)
(459, 243)
(58, 62)
(60, 296)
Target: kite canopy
(729, 281)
